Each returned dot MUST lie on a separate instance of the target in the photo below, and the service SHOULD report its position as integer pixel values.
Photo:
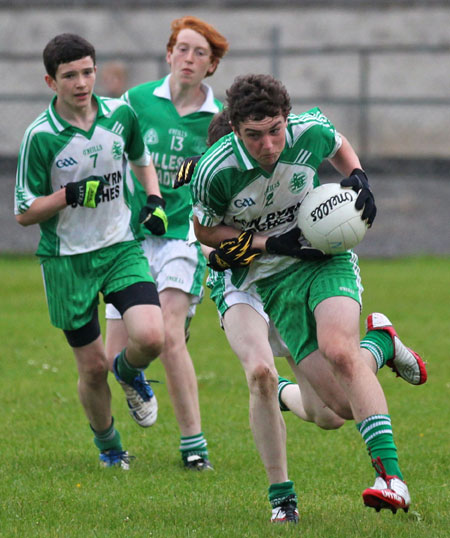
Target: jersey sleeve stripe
(208, 166)
(25, 149)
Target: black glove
(232, 253)
(186, 171)
(288, 244)
(153, 216)
(358, 181)
(86, 192)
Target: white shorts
(173, 264)
(225, 295)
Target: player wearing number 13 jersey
(170, 138)
(174, 114)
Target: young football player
(247, 189)
(174, 114)
(71, 175)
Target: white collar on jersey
(208, 106)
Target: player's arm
(345, 159)
(43, 208)
(233, 248)
(147, 177)
(152, 215)
(85, 192)
(347, 163)
(212, 236)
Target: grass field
(51, 484)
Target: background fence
(381, 73)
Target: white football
(329, 220)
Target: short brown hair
(217, 42)
(65, 48)
(256, 97)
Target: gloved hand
(86, 192)
(153, 216)
(232, 253)
(288, 244)
(186, 171)
(358, 181)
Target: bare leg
(93, 388)
(247, 334)
(304, 401)
(338, 336)
(180, 372)
(141, 331)
(116, 339)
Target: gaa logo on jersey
(65, 163)
(151, 137)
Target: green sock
(282, 382)
(193, 445)
(380, 344)
(278, 493)
(126, 372)
(376, 431)
(108, 439)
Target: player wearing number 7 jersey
(71, 179)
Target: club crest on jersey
(117, 150)
(298, 182)
(151, 137)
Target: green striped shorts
(73, 283)
(291, 296)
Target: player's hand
(288, 244)
(86, 192)
(153, 216)
(358, 181)
(232, 253)
(186, 171)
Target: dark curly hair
(219, 126)
(65, 48)
(256, 97)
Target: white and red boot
(406, 363)
(388, 491)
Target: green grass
(51, 484)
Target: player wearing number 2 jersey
(71, 179)
(174, 114)
(247, 190)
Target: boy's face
(190, 59)
(264, 139)
(74, 83)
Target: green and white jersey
(229, 187)
(54, 153)
(171, 138)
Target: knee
(263, 379)
(342, 357)
(94, 371)
(150, 342)
(329, 421)
(174, 339)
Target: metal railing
(361, 101)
